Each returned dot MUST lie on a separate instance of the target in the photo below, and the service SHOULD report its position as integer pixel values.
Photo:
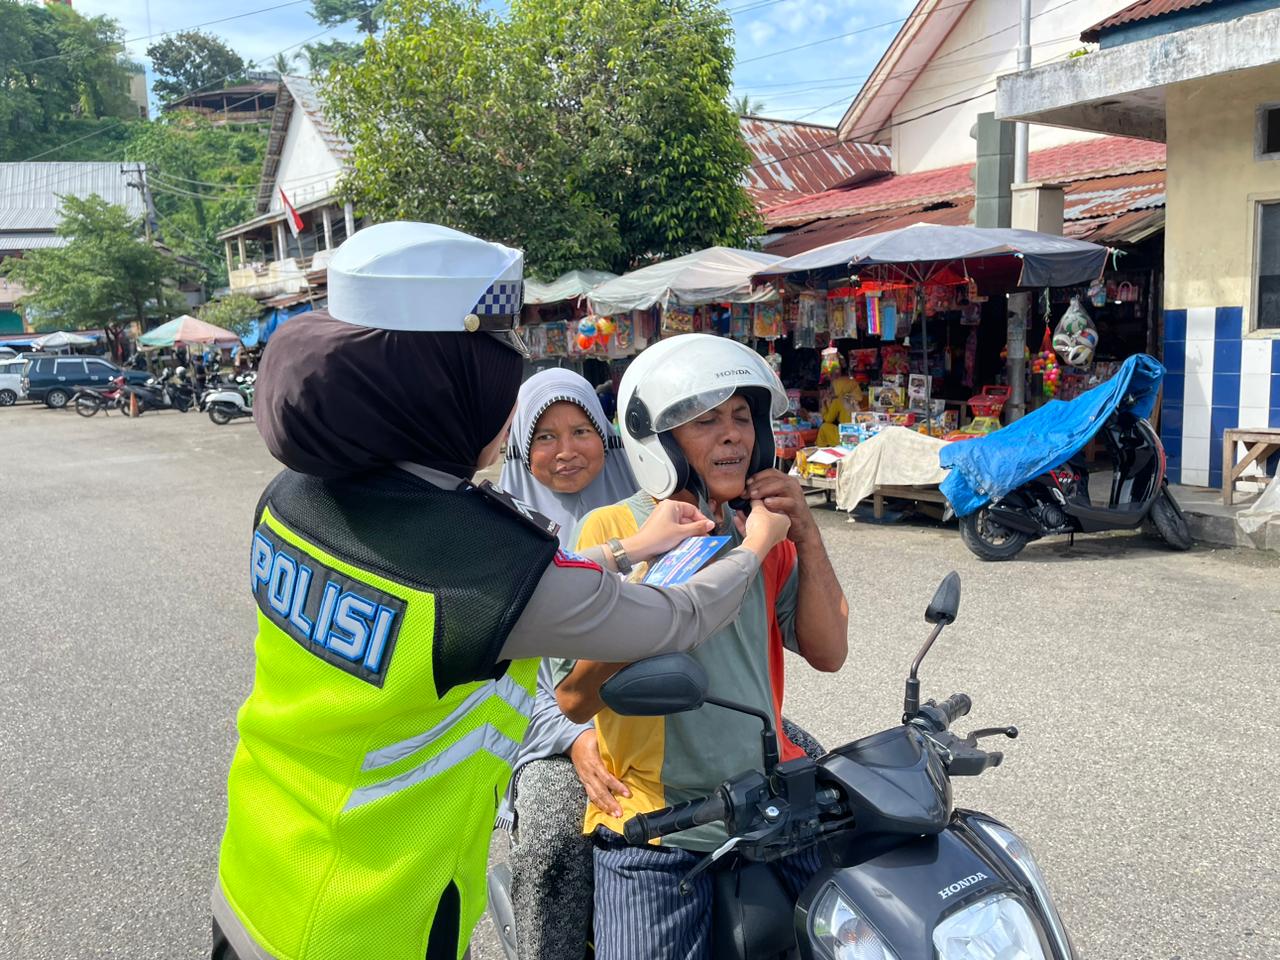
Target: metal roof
(302, 94)
(1141, 10)
(792, 160)
(1116, 209)
(1102, 156)
(30, 193)
(30, 241)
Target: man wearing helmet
(696, 417)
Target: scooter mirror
(671, 683)
(946, 601)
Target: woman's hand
(671, 523)
(601, 785)
(763, 529)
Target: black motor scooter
(1059, 502)
(905, 875)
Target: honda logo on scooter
(964, 884)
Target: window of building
(1268, 139)
(1267, 269)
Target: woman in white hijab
(564, 459)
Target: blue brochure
(684, 561)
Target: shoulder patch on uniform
(344, 622)
(564, 558)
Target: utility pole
(1024, 64)
(149, 217)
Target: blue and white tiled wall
(1216, 381)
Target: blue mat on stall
(986, 469)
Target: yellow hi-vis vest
(362, 795)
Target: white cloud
(760, 32)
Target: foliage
(190, 61)
(322, 56)
(282, 63)
(104, 277)
(203, 179)
(590, 134)
(367, 14)
(61, 74)
(744, 106)
(235, 312)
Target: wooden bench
(918, 494)
(1259, 444)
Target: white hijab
(613, 483)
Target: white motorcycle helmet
(681, 378)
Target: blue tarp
(261, 329)
(986, 469)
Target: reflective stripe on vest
(487, 738)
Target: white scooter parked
(229, 403)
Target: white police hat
(422, 276)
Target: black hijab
(334, 398)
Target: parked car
(55, 380)
(11, 389)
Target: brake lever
(1010, 731)
(702, 866)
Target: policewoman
(403, 609)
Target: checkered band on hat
(503, 299)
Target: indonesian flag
(291, 215)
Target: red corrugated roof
(794, 160)
(1141, 10)
(1101, 209)
(1090, 158)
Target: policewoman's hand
(763, 529)
(601, 785)
(671, 523)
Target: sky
(815, 83)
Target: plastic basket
(990, 402)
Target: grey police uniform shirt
(584, 613)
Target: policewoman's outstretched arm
(581, 610)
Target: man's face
(718, 446)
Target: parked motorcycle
(1060, 502)
(228, 403)
(89, 400)
(906, 876)
(159, 393)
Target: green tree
(191, 61)
(104, 277)
(235, 312)
(203, 179)
(589, 134)
(367, 14)
(744, 106)
(62, 77)
(322, 56)
(283, 63)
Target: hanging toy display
(586, 334)
(1075, 338)
(1046, 365)
(774, 360)
(605, 328)
(830, 363)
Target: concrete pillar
(1019, 313)
(226, 245)
(349, 217)
(1038, 206)
(282, 247)
(328, 228)
(244, 257)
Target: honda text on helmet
(679, 379)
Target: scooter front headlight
(843, 933)
(1026, 865)
(997, 927)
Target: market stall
(901, 313)
(187, 331)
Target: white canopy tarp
(894, 457)
(714, 275)
(59, 340)
(569, 286)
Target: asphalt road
(1144, 683)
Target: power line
(851, 33)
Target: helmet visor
(687, 408)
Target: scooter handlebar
(644, 827)
(956, 706)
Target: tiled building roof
(1141, 10)
(1073, 161)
